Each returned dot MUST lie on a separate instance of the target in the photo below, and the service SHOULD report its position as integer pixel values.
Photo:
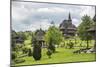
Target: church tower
(68, 29)
(69, 19)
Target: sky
(30, 16)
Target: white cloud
(20, 12)
(44, 24)
(29, 16)
(87, 10)
(51, 10)
(75, 21)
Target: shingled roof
(92, 29)
(39, 35)
(67, 28)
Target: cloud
(20, 12)
(51, 10)
(88, 10)
(75, 21)
(29, 15)
(44, 24)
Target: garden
(55, 45)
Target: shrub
(51, 47)
(37, 52)
(29, 52)
(71, 45)
(49, 53)
(14, 55)
(25, 50)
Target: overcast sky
(29, 16)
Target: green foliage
(51, 46)
(13, 55)
(36, 49)
(53, 37)
(83, 28)
(71, 45)
(13, 35)
(28, 35)
(37, 52)
(62, 56)
(49, 53)
(54, 34)
(30, 52)
(87, 23)
(25, 49)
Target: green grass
(61, 56)
(84, 43)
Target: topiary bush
(37, 52)
(49, 53)
(51, 47)
(13, 55)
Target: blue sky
(30, 16)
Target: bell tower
(69, 19)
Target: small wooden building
(92, 31)
(39, 37)
(17, 38)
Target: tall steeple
(69, 17)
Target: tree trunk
(87, 43)
(81, 44)
(75, 41)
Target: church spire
(69, 17)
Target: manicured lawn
(62, 55)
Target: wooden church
(68, 29)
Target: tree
(87, 23)
(53, 37)
(29, 52)
(13, 55)
(94, 25)
(71, 45)
(36, 49)
(13, 43)
(49, 53)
